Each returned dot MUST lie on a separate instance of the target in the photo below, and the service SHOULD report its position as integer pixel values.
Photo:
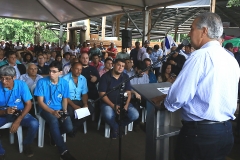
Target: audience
(67, 67)
(151, 75)
(96, 62)
(123, 54)
(134, 53)
(52, 95)
(78, 97)
(31, 77)
(128, 66)
(157, 54)
(17, 103)
(110, 103)
(177, 61)
(108, 63)
(11, 61)
(43, 69)
(166, 75)
(112, 51)
(91, 74)
(94, 51)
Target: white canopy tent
(62, 11)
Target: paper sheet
(81, 113)
(164, 90)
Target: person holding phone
(15, 104)
(52, 93)
(166, 75)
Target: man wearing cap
(143, 50)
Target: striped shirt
(207, 86)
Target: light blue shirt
(76, 91)
(19, 94)
(52, 94)
(29, 81)
(207, 86)
(155, 56)
(138, 80)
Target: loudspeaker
(126, 38)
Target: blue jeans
(204, 141)
(57, 128)
(109, 116)
(2, 151)
(28, 121)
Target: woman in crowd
(27, 58)
(166, 75)
(73, 50)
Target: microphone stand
(121, 87)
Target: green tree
(235, 3)
(25, 31)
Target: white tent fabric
(62, 11)
(196, 3)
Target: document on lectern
(164, 90)
(81, 113)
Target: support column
(114, 26)
(145, 25)
(213, 5)
(179, 36)
(82, 36)
(61, 35)
(68, 32)
(87, 32)
(118, 25)
(103, 27)
(149, 24)
(175, 34)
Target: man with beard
(111, 103)
(92, 76)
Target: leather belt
(201, 122)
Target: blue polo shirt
(19, 94)
(76, 91)
(107, 82)
(52, 93)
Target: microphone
(185, 42)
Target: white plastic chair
(19, 134)
(144, 114)
(41, 121)
(107, 127)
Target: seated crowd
(65, 83)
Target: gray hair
(29, 64)
(7, 71)
(213, 22)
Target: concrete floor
(91, 146)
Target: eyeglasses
(53, 71)
(6, 78)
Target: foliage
(25, 31)
(235, 3)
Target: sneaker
(27, 150)
(52, 143)
(67, 156)
(2, 157)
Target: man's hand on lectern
(159, 101)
